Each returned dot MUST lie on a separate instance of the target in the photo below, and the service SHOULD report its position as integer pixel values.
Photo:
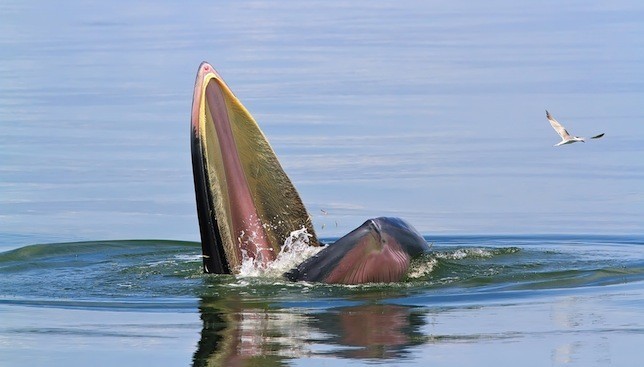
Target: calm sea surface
(428, 110)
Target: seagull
(565, 137)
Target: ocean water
(475, 300)
(428, 110)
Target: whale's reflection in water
(234, 335)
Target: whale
(247, 206)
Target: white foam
(460, 254)
(295, 249)
(422, 269)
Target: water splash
(422, 268)
(475, 253)
(295, 249)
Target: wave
(149, 274)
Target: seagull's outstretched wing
(598, 136)
(557, 126)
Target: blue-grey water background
(432, 111)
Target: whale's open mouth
(246, 204)
(248, 207)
